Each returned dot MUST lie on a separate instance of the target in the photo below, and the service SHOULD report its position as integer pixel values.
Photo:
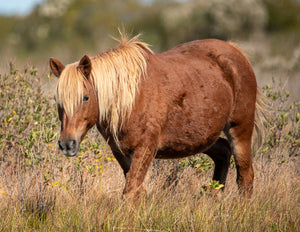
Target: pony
(168, 105)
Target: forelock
(70, 89)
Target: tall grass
(41, 190)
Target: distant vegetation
(71, 27)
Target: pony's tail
(262, 116)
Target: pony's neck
(117, 75)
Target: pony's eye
(86, 98)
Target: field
(41, 190)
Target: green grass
(41, 190)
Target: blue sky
(20, 7)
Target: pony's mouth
(69, 154)
(69, 147)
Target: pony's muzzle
(69, 146)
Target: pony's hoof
(135, 196)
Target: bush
(28, 118)
(217, 19)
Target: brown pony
(169, 105)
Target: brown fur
(189, 95)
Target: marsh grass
(41, 190)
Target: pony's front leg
(124, 161)
(141, 161)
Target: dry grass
(30, 204)
(41, 190)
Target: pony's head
(76, 102)
(98, 89)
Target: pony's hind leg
(220, 153)
(240, 137)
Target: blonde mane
(116, 75)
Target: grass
(41, 190)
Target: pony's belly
(182, 147)
(176, 152)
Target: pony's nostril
(71, 144)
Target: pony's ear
(85, 66)
(56, 66)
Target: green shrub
(28, 118)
